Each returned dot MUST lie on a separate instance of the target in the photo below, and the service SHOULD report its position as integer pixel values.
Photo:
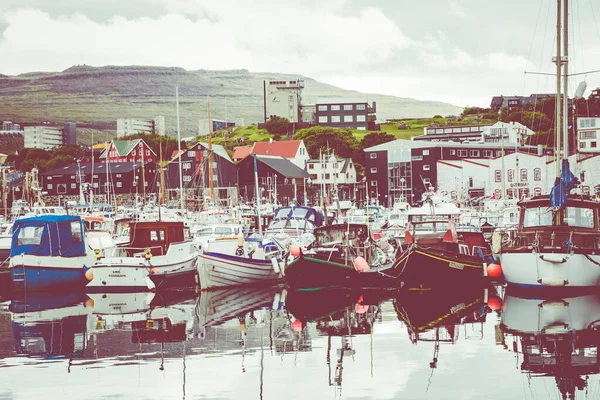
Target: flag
(562, 186)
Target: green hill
(95, 97)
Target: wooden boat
(237, 261)
(333, 260)
(156, 249)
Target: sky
(458, 51)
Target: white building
(131, 126)
(283, 99)
(42, 137)
(588, 129)
(514, 133)
(331, 171)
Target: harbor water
(270, 343)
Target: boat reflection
(554, 337)
(50, 325)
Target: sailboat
(557, 241)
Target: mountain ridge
(99, 95)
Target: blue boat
(49, 252)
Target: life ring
(239, 251)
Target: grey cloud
(97, 11)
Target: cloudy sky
(458, 51)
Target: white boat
(239, 261)
(156, 248)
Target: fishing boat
(49, 251)
(341, 255)
(294, 224)
(557, 242)
(553, 337)
(236, 261)
(157, 256)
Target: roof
(101, 145)
(99, 168)
(241, 152)
(284, 148)
(124, 147)
(285, 167)
(216, 148)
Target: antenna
(580, 89)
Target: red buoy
(295, 250)
(360, 264)
(297, 326)
(495, 303)
(494, 270)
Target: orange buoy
(154, 271)
(360, 264)
(295, 250)
(89, 303)
(495, 303)
(494, 270)
(297, 326)
(361, 308)
(89, 274)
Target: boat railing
(141, 251)
(547, 237)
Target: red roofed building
(240, 153)
(134, 150)
(293, 150)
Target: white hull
(551, 269)
(223, 270)
(131, 273)
(534, 316)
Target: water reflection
(554, 337)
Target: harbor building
(132, 126)
(283, 99)
(588, 134)
(359, 115)
(128, 151)
(42, 137)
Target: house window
(373, 170)
(133, 153)
(373, 183)
(323, 119)
(537, 174)
(49, 186)
(463, 153)
(95, 185)
(488, 153)
(347, 106)
(73, 186)
(499, 153)
(373, 155)
(582, 145)
(425, 152)
(191, 154)
(498, 175)
(361, 107)
(497, 193)
(187, 165)
(148, 152)
(322, 108)
(361, 118)
(72, 176)
(471, 181)
(523, 174)
(452, 152)
(187, 178)
(474, 153)
(311, 166)
(510, 174)
(335, 118)
(426, 181)
(335, 107)
(348, 118)
(537, 191)
(592, 144)
(426, 167)
(119, 184)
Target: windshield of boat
(537, 216)
(579, 216)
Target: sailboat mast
(143, 177)
(162, 177)
(93, 172)
(211, 183)
(565, 60)
(558, 110)
(179, 147)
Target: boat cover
(48, 235)
(299, 212)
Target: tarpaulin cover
(48, 235)
(562, 186)
(299, 212)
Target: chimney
(374, 106)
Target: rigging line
(532, 40)
(594, 19)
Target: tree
(321, 138)
(375, 138)
(277, 125)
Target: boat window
(537, 216)
(204, 231)
(76, 232)
(226, 230)
(30, 235)
(578, 216)
(157, 236)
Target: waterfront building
(132, 126)
(42, 137)
(283, 99)
(588, 134)
(358, 115)
(128, 151)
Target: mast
(258, 200)
(211, 183)
(92, 188)
(565, 61)
(107, 175)
(143, 176)
(179, 147)
(162, 178)
(558, 110)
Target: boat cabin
(155, 235)
(49, 235)
(443, 235)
